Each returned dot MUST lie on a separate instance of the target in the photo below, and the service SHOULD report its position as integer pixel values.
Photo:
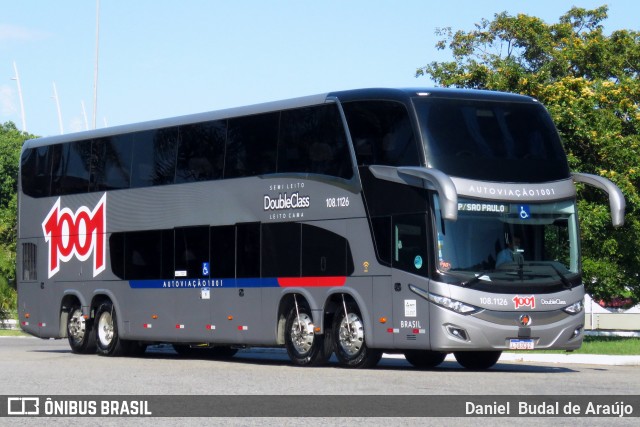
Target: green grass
(615, 346)
(12, 333)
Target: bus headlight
(448, 303)
(574, 308)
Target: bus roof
(402, 95)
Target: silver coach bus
(421, 222)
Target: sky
(165, 58)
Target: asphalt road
(30, 366)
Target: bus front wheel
(477, 360)
(304, 347)
(349, 341)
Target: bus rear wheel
(424, 359)
(304, 347)
(107, 338)
(81, 338)
(349, 341)
(477, 360)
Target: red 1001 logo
(80, 234)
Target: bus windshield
(509, 243)
(491, 141)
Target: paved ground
(560, 358)
(564, 359)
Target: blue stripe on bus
(266, 282)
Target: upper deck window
(382, 134)
(313, 140)
(491, 141)
(307, 140)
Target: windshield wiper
(479, 276)
(567, 284)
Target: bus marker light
(42, 324)
(393, 330)
(179, 326)
(147, 326)
(25, 323)
(154, 316)
(317, 329)
(229, 317)
(243, 328)
(27, 315)
(383, 320)
(211, 327)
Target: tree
(11, 140)
(589, 83)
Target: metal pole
(84, 115)
(95, 76)
(17, 79)
(55, 96)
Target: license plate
(521, 345)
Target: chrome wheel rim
(77, 325)
(105, 329)
(351, 334)
(302, 333)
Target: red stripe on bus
(303, 282)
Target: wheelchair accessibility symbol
(205, 269)
(524, 212)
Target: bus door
(246, 313)
(409, 260)
(192, 269)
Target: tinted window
(191, 251)
(410, 243)
(201, 151)
(281, 250)
(36, 171)
(110, 163)
(154, 157)
(492, 141)
(70, 168)
(324, 253)
(387, 198)
(312, 140)
(147, 254)
(381, 133)
(382, 235)
(251, 145)
(223, 250)
(248, 250)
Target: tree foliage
(589, 83)
(11, 140)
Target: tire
(108, 340)
(349, 342)
(424, 359)
(81, 338)
(477, 360)
(304, 347)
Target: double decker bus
(422, 222)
